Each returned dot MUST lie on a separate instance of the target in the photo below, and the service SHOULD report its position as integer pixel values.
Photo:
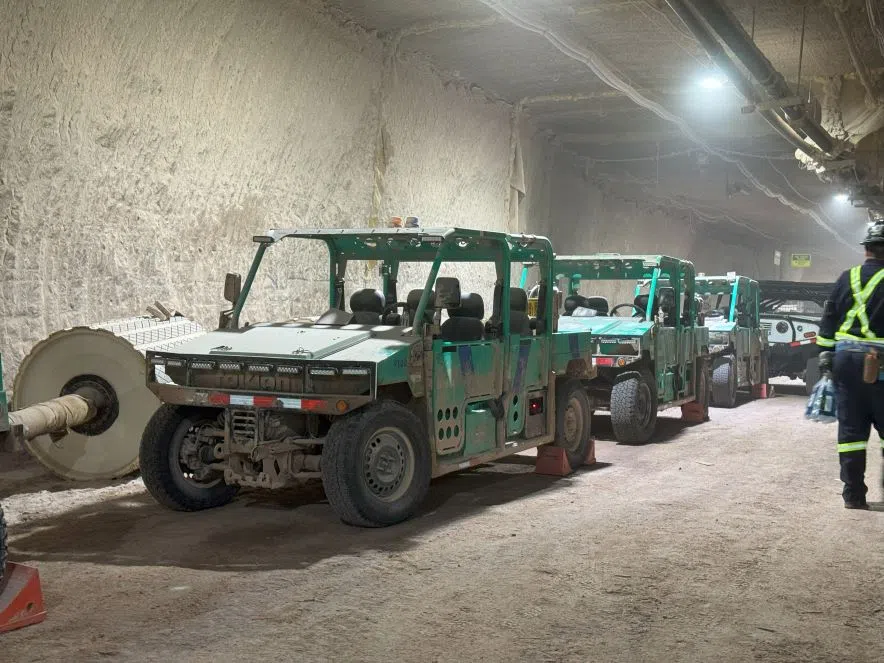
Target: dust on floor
(724, 541)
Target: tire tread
(724, 383)
(624, 401)
(339, 474)
(155, 471)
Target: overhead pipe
(735, 76)
(731, 32)
(533, 21)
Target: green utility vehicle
(651, 353)
(378, 399)
(731, 308)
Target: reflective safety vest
(861, 297)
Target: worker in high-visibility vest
(851, 339)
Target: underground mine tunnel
(467, 330)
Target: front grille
(244, 426)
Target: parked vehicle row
(387, 386)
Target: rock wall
(143, 143)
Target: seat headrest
(574, 301)
(447, 292)
(414, 298)
(368, 300)
(667, 298)
(600, 304)
(471, 306)
(518, 300)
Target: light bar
(258, 368)
(354, 371)
(175, 362)
(325, 372)
(202, 365)
(289, 370)
(158, 361)
(229, 366)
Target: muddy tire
(634, 408)
(170, 463)
(573, 421)
(376, 465)
(812, 374)
(4, 550)
(724, 382)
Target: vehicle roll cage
(392, 246)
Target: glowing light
(840, 197)
(712, 82)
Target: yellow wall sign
(800, 260)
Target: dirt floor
(724, 541)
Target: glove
(826, 359)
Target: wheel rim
(574, 421)
(389, 464)
(644, 404)
(186, 458)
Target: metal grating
(244, 426)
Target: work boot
(856, 505)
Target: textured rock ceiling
(650, 47)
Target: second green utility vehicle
(377, 397)
(651, 352)
(731, 308)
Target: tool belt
(873, 361)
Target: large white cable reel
(104, 362)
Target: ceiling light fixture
(712, 82)
(841, 198)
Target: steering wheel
(619, 306)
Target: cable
(530, 21)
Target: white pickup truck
(791, 312)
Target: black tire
(4, 550)
(573, 421)
(724, 382)
(376, 465)
(161, 468)
(812, 374)
(634, 408)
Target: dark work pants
(860, 407)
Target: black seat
(641, 304)
(573, 302)
(667, 305)
(599, 304)
(367, 306)
(520, 321)
(411, 303)
(464, 324)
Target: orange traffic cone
(21, 599)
